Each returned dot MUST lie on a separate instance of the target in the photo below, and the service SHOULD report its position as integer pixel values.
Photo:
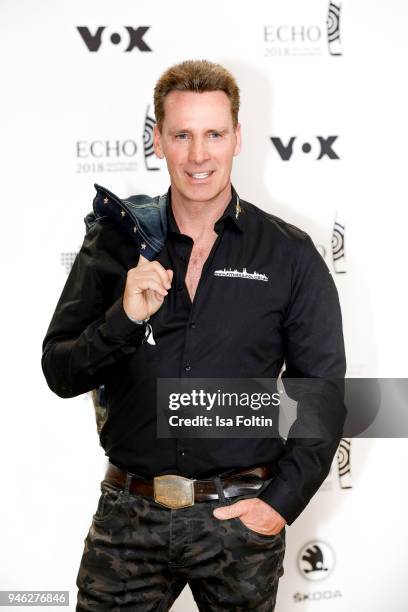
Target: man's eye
(215, 135)
(181, 136)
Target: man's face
(199, 141)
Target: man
(228, 291)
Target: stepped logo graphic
(333, 29)
(344, 463)
(338, 247)
(148, 147)
(243, 274)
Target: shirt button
(183, 257)
(192, 324)
(187, 367)
(180, 288)
(182, 452)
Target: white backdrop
(72, 117)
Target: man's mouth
(200, 176)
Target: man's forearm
(299, 474)
(89, 330)
(76, 365)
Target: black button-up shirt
(265, 298)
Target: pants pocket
(250, 532)
(255, 534)
(108, 503)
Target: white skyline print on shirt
(243, 274)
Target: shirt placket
(183, 445)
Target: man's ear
(157, 142)
(238, 136)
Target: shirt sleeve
(314, 348)
(89, 331)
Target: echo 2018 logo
(288, 39)
(117, 154)
(132, 38)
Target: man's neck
(197, 218)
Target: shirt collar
(233, 213)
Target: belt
(174, 491)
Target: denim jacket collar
(145, 218)
(141, 216)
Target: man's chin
(200, 193)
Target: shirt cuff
(119, 325)
(282, 499)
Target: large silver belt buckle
(173, 491)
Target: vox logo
(131, 38)
(321, 147)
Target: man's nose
(198, 152)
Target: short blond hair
(197, 76)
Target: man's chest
(230, 292)
(224, 312)
(199, 255)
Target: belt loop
(220, 490)
(127, 485)
(263, 486)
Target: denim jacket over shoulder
(143, 217)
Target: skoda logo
(316, 560)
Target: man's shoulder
(277, 234)
(276, 226)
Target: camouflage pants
(139, 555)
